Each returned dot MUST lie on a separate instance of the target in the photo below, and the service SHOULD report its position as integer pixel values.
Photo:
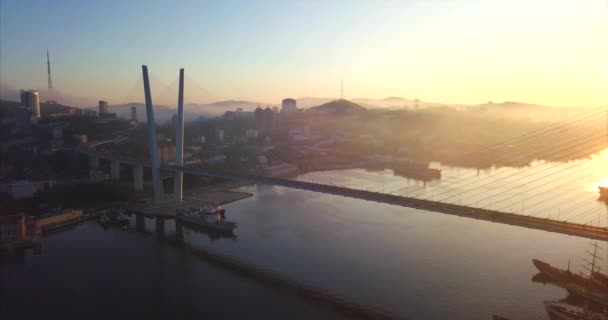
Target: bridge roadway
(586, 231)
(545, 224)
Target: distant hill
(384, 103)
(390, 102)
(218, 108)
(508, 105)
(308, 102)
(45, 108)
(338, 107)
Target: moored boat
(210, 209)
(564, 311)
(215, 222)
(571, 280)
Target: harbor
(287, 228)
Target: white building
(22, 189)
(31, 100)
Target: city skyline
(437, 52)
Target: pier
(168, 209)
(18, 233)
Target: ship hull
(210, 225)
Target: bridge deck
(586, 231)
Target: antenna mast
(48, 66)
(341, 89)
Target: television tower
(48, 66)
(341, 89)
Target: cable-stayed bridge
(516, 191)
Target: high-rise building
(268, 120)
(289, 106)
(31, 100)
(259, 118)
(103, 107)
(220, 135)
(134, 114)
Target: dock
(19, 232)
(168, 209)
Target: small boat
(118, 219)
(121, 218)
(209, 210)
(104, 219)
(209, 221)
(564, 311)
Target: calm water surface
(412, 263)
(90, 273)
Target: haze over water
(565, 191)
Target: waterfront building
(283, 169)
(13, 228)
(21, 189)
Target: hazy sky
(549, 52)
